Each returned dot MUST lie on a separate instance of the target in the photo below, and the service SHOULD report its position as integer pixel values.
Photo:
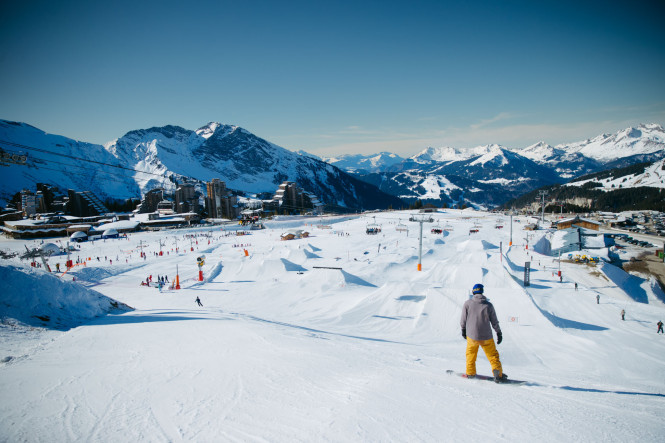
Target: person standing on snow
(660, 327)
(478, 319)
(623, 314)
(597, 299)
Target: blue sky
(336, 77)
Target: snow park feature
(330, 337)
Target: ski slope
(335, 337)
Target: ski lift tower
(542, 195)
(421, 219)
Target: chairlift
(373, 229)
(448, 227)
(475, 228)
(401, 227)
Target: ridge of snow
(493, 152)
(643, 139)
(653, 177)
(207, 130)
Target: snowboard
(508, 381)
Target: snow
(503, 181)
(46, 300)
(653, 176)
(493, 151)
(434, 185)
(288, 348)
(644, 139)
(122, 225)
(448, 154)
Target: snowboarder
(479, 316)
(623, 314)
(198, 301)
(660, 327)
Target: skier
(660, 327)
(623, 314)
(576, 286)
(198, 301)
(597, 299)
(479, 315)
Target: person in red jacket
(478, 319)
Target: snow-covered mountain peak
(540, 146)
(490, 153)
(371, 162)
(641, 140)
(208, 130)
(538, 152)
(215, 128)
(441, 154)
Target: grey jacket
(477, 316)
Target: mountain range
(490, 175)
(144, 159)
(484, 176)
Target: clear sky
(333, 77)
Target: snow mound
(36, 298)
(636, 288)
(543, 246)
(95, 275)
(355, 280)
(311, 254)
(475, 245)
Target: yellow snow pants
(490, 351)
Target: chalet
(578, 222)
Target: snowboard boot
(499, 378)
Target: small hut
(111, 233)
(78, 236)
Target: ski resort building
(165, 207)
(186, 199)
(291, 199)
(85, 204)
(31, 203)
(150, 201)
(220, 203)
(578, 223)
